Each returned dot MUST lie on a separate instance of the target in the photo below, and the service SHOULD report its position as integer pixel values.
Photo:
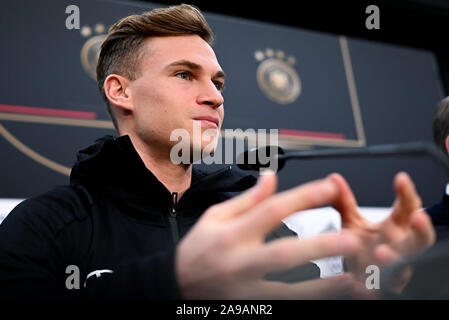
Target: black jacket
(440, 218)
(115, 215)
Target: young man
(137, 225)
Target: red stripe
(312, 134)
(48, 112)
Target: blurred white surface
(6, 205)
(310, 223)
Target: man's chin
(193, 146)
(201, 152)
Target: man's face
(179, 86)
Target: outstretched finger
(265, 187)
(346, 203)
(290, 252)
(269, 214)
(420, 236)
(407, 201)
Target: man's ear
(116, 90)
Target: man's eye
(219, 85)
(184, 75)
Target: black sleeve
(151, 277)
(28, 267)
(32, 264)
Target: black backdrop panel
(320, 90)
(317, 62)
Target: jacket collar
(112, 167)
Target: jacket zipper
(173, 220)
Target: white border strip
(6, 205)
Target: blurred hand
(407, 230)
(224, 256)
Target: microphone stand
(408, 148)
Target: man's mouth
(208, 121)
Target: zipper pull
(173, 220)
(174, 203)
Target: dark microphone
(261, 157)
(275, 157)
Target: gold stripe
(323, 142)
(33, 154)
(293, 142)
(102, 124)
(352, 91)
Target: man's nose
(211, 96)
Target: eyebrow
(195, 66)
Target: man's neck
(176, 178)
